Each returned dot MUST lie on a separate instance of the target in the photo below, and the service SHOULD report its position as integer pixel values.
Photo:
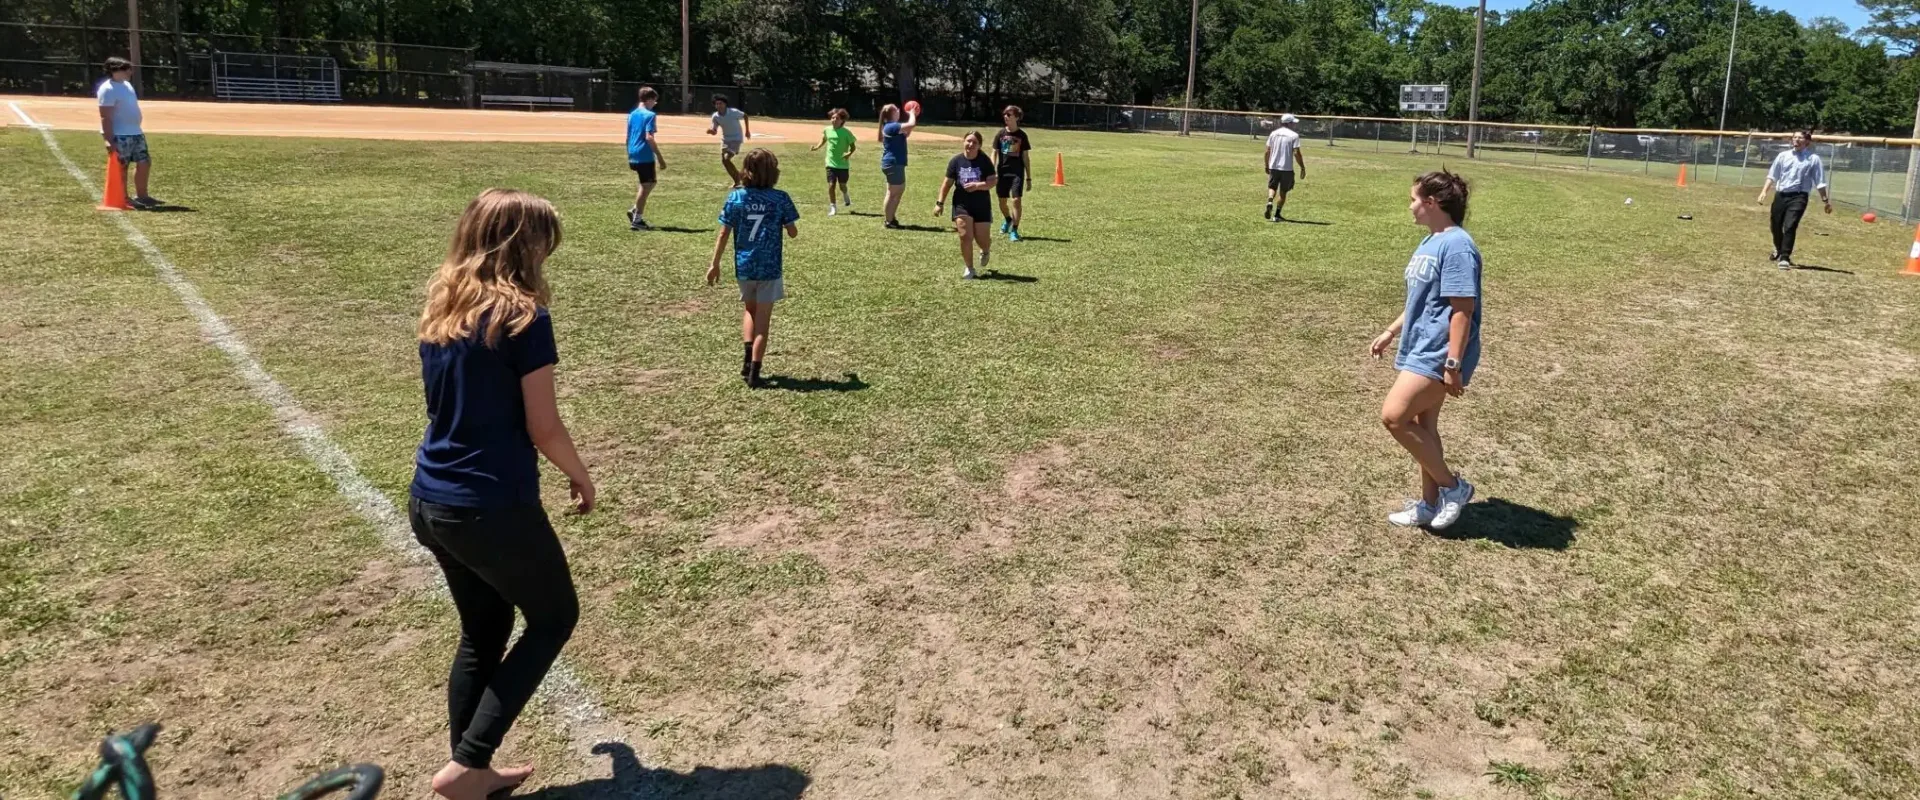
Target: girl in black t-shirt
(970, 175)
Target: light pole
(1473, 94)
(133, 39)
(686, 72)
(1726, 89)
(1193, 52)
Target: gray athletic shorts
(759, 292)
(731, 148)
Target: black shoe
(146, 203)
(894, 225)
(1267, 214)
(1775, 256)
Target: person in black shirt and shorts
(1010, 147)
(970, 176)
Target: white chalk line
(24, 119)
(563, 690)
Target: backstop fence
(65, 59)
(1873, 174)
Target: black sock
(746, 357)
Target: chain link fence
(1865, 173)
(66, 59)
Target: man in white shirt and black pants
(1792, 175)
(1283, 151)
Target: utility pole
(1726, 89)
(133, 40)
(686, 69)
(1193, 53)
(1473, 94)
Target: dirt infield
(381, 122)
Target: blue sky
(1847, 11)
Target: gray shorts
(762, 292)
(731, 147)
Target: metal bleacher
(271, 76)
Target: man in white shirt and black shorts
(1283, 152)
(1793, 173)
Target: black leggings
(1788, 208)
(497, 560)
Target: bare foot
(456, 782)
(511, 777)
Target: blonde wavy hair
(492, 275)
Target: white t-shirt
(1280, 145)
(729, 124)
(118, 95)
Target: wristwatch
(1451, 365)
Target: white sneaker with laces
(1452, 502)
(1414, 515)
(829, 209)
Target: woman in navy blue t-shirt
(486, 357)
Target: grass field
(1112, 527)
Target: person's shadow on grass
(923, 228)
(1026, 238)
(997, 275)
(849, 382)
(1512, 525)
(1818, 268)
(634, 781)
(1292, 221)
(673, 229)
(168, 208)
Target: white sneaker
(829, 209)
(969, 275)
(1416, 514)
(1452, 502)
(1785, 264)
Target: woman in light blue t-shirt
(1439, 334)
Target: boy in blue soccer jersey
(643, 155)
(1439, 332)
(753, 217)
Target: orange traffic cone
(115, 198)
(1059, 170)
(1913, 256)
(1682, 183)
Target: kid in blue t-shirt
(1439, 332)
(643, 155)
(893, 156)
(754, 216)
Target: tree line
(1646, 63)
